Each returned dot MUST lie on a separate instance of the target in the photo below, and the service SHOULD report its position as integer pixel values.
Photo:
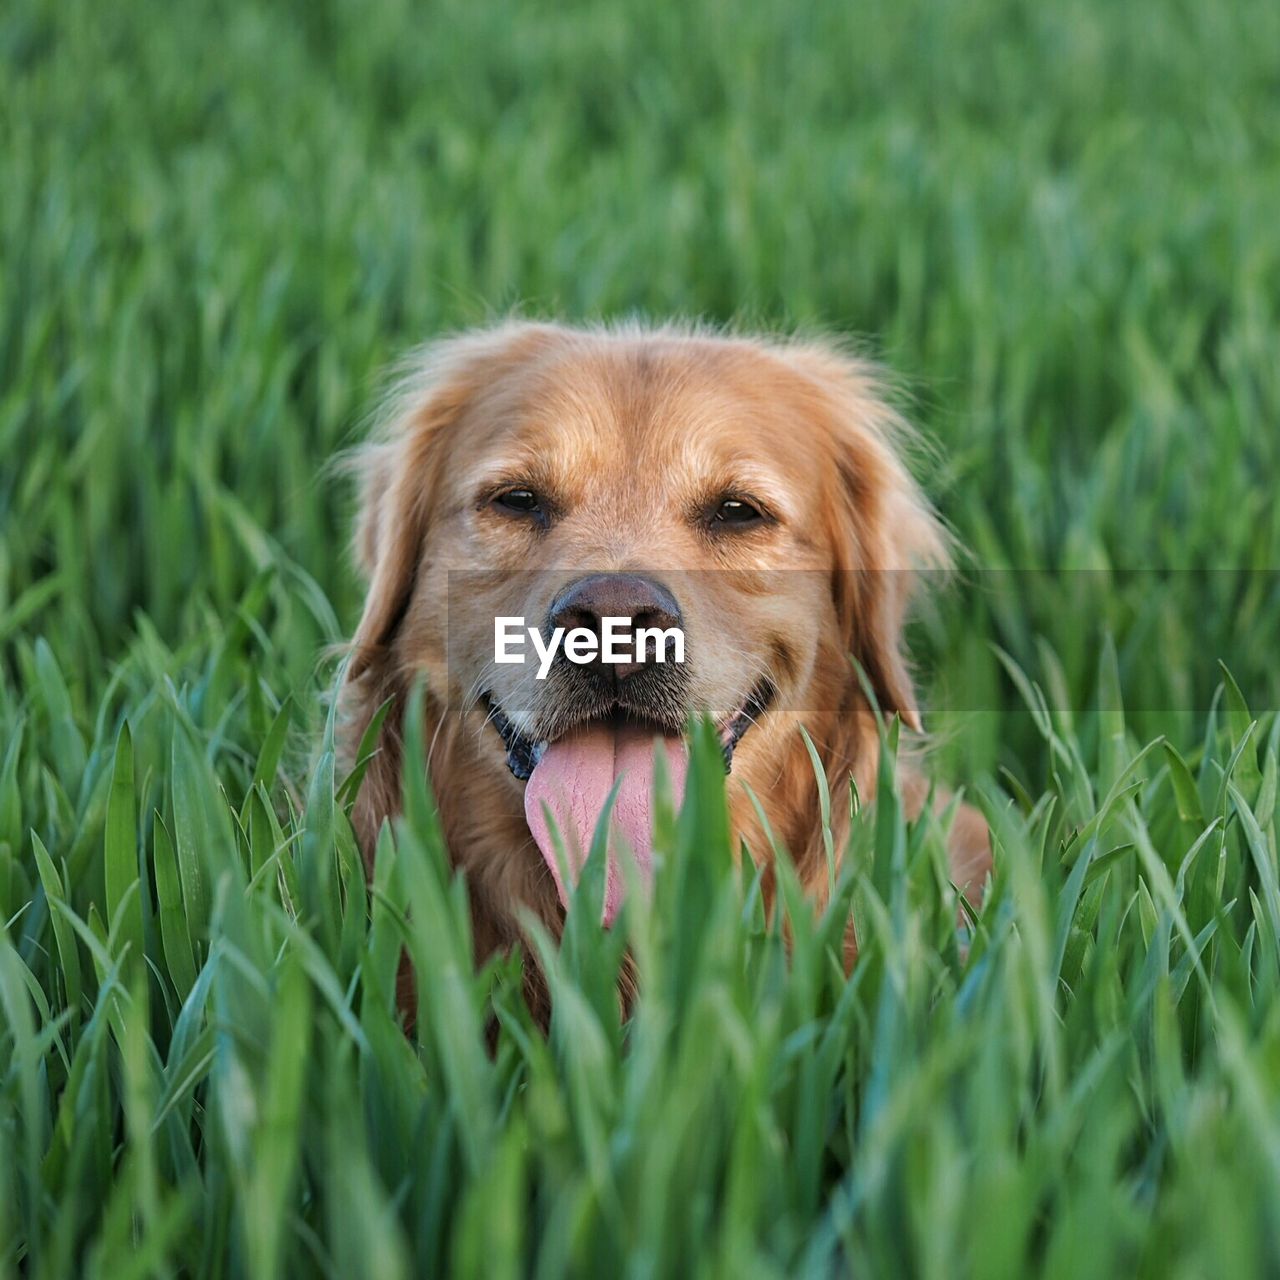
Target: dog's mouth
(571, 775)
(524, 752)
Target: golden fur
(630, 429)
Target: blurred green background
(1054, 223)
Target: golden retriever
(748, 493)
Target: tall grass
(218, 224)
(205, 1072)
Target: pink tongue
(574, 778)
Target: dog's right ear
(884, 533)
(390, 528)
(399, 473)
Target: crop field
(1056, 224)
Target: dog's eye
(736, 511)
(522, 501)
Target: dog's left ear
(399, 472)
(884, 533)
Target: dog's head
(743, 497)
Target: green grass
(218, 224)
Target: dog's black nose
(641, 601)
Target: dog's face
(747, 496)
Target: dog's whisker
(435, 738)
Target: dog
(747, 495)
